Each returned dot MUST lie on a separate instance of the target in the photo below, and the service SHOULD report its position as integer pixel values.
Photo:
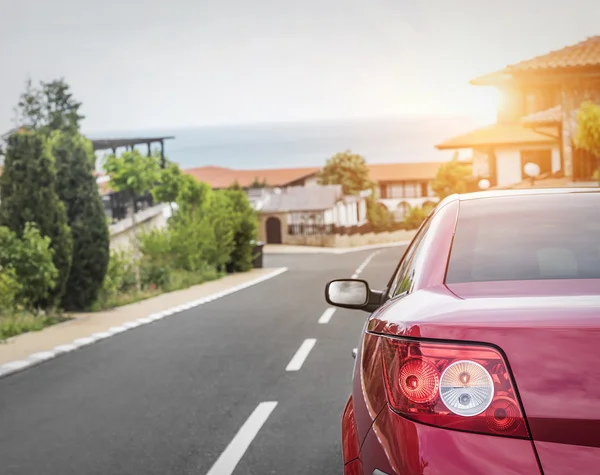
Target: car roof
(524, 192)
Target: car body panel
(559, 318)
(396, 445)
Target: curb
(37, 358)
(333, 250)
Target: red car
(482, 355)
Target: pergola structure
(116, 203)
(129, 144)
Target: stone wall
(121, 233)
(339, 240)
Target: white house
(288, 213)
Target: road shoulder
(28, 349)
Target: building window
(395, 191)
(412, 190)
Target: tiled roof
(219, 177)
(492, 79)
(501, 134)
(300, 198)
(548, 116)
(403, 171)
(585, 53)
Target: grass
(23, 322)
(18, 322)
(178, 280)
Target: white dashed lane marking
(298, 360)
(231, 456)
(327, 314)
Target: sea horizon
(307, 143)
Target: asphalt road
(203, 391)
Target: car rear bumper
(398, 446)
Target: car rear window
(527, 237)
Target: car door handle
(354, 352)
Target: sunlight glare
(485, 102)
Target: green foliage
(192, 193)
(29, 261)
(10, 288)
(451, 178)
(28, 190)
(49, 107)
(169, 184)
(78, 190)
(588, 131)
(256, 183)
(378, 215)
(132, 172)
(245, 227)
(416, 215)
(20, 321)
(119, 278)
(347, 169)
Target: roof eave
(550, 141)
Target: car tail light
(456, 386)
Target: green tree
(29, 260)
(167, 190)
(78, 190)
(223, 223)
(347, 169)
(416, 215)
(192, 193)
(588, 132)
(48, 107)
(378, 215)
(133, 174)
(256, 183)
(28, 195)
(451, 178)
(245, 222)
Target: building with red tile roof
(537, 118)
(399, 185)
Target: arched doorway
(273, 230)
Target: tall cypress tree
(28, 194)
(78, 190)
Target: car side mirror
(352, 293)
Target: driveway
(251, 383)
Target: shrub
(245, 223)
(378, 215)
(157, 258)
(77, 188)
(416, 215)
(120, 276)
(9, 290)
(29, 260)
(28, 190)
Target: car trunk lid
(550, 334)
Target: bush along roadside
(209, 233)
(54, 239)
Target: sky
(150, 64)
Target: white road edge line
(231, 456)
(35, 359)
(327, 314)
(300, 357)
(364, 264)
